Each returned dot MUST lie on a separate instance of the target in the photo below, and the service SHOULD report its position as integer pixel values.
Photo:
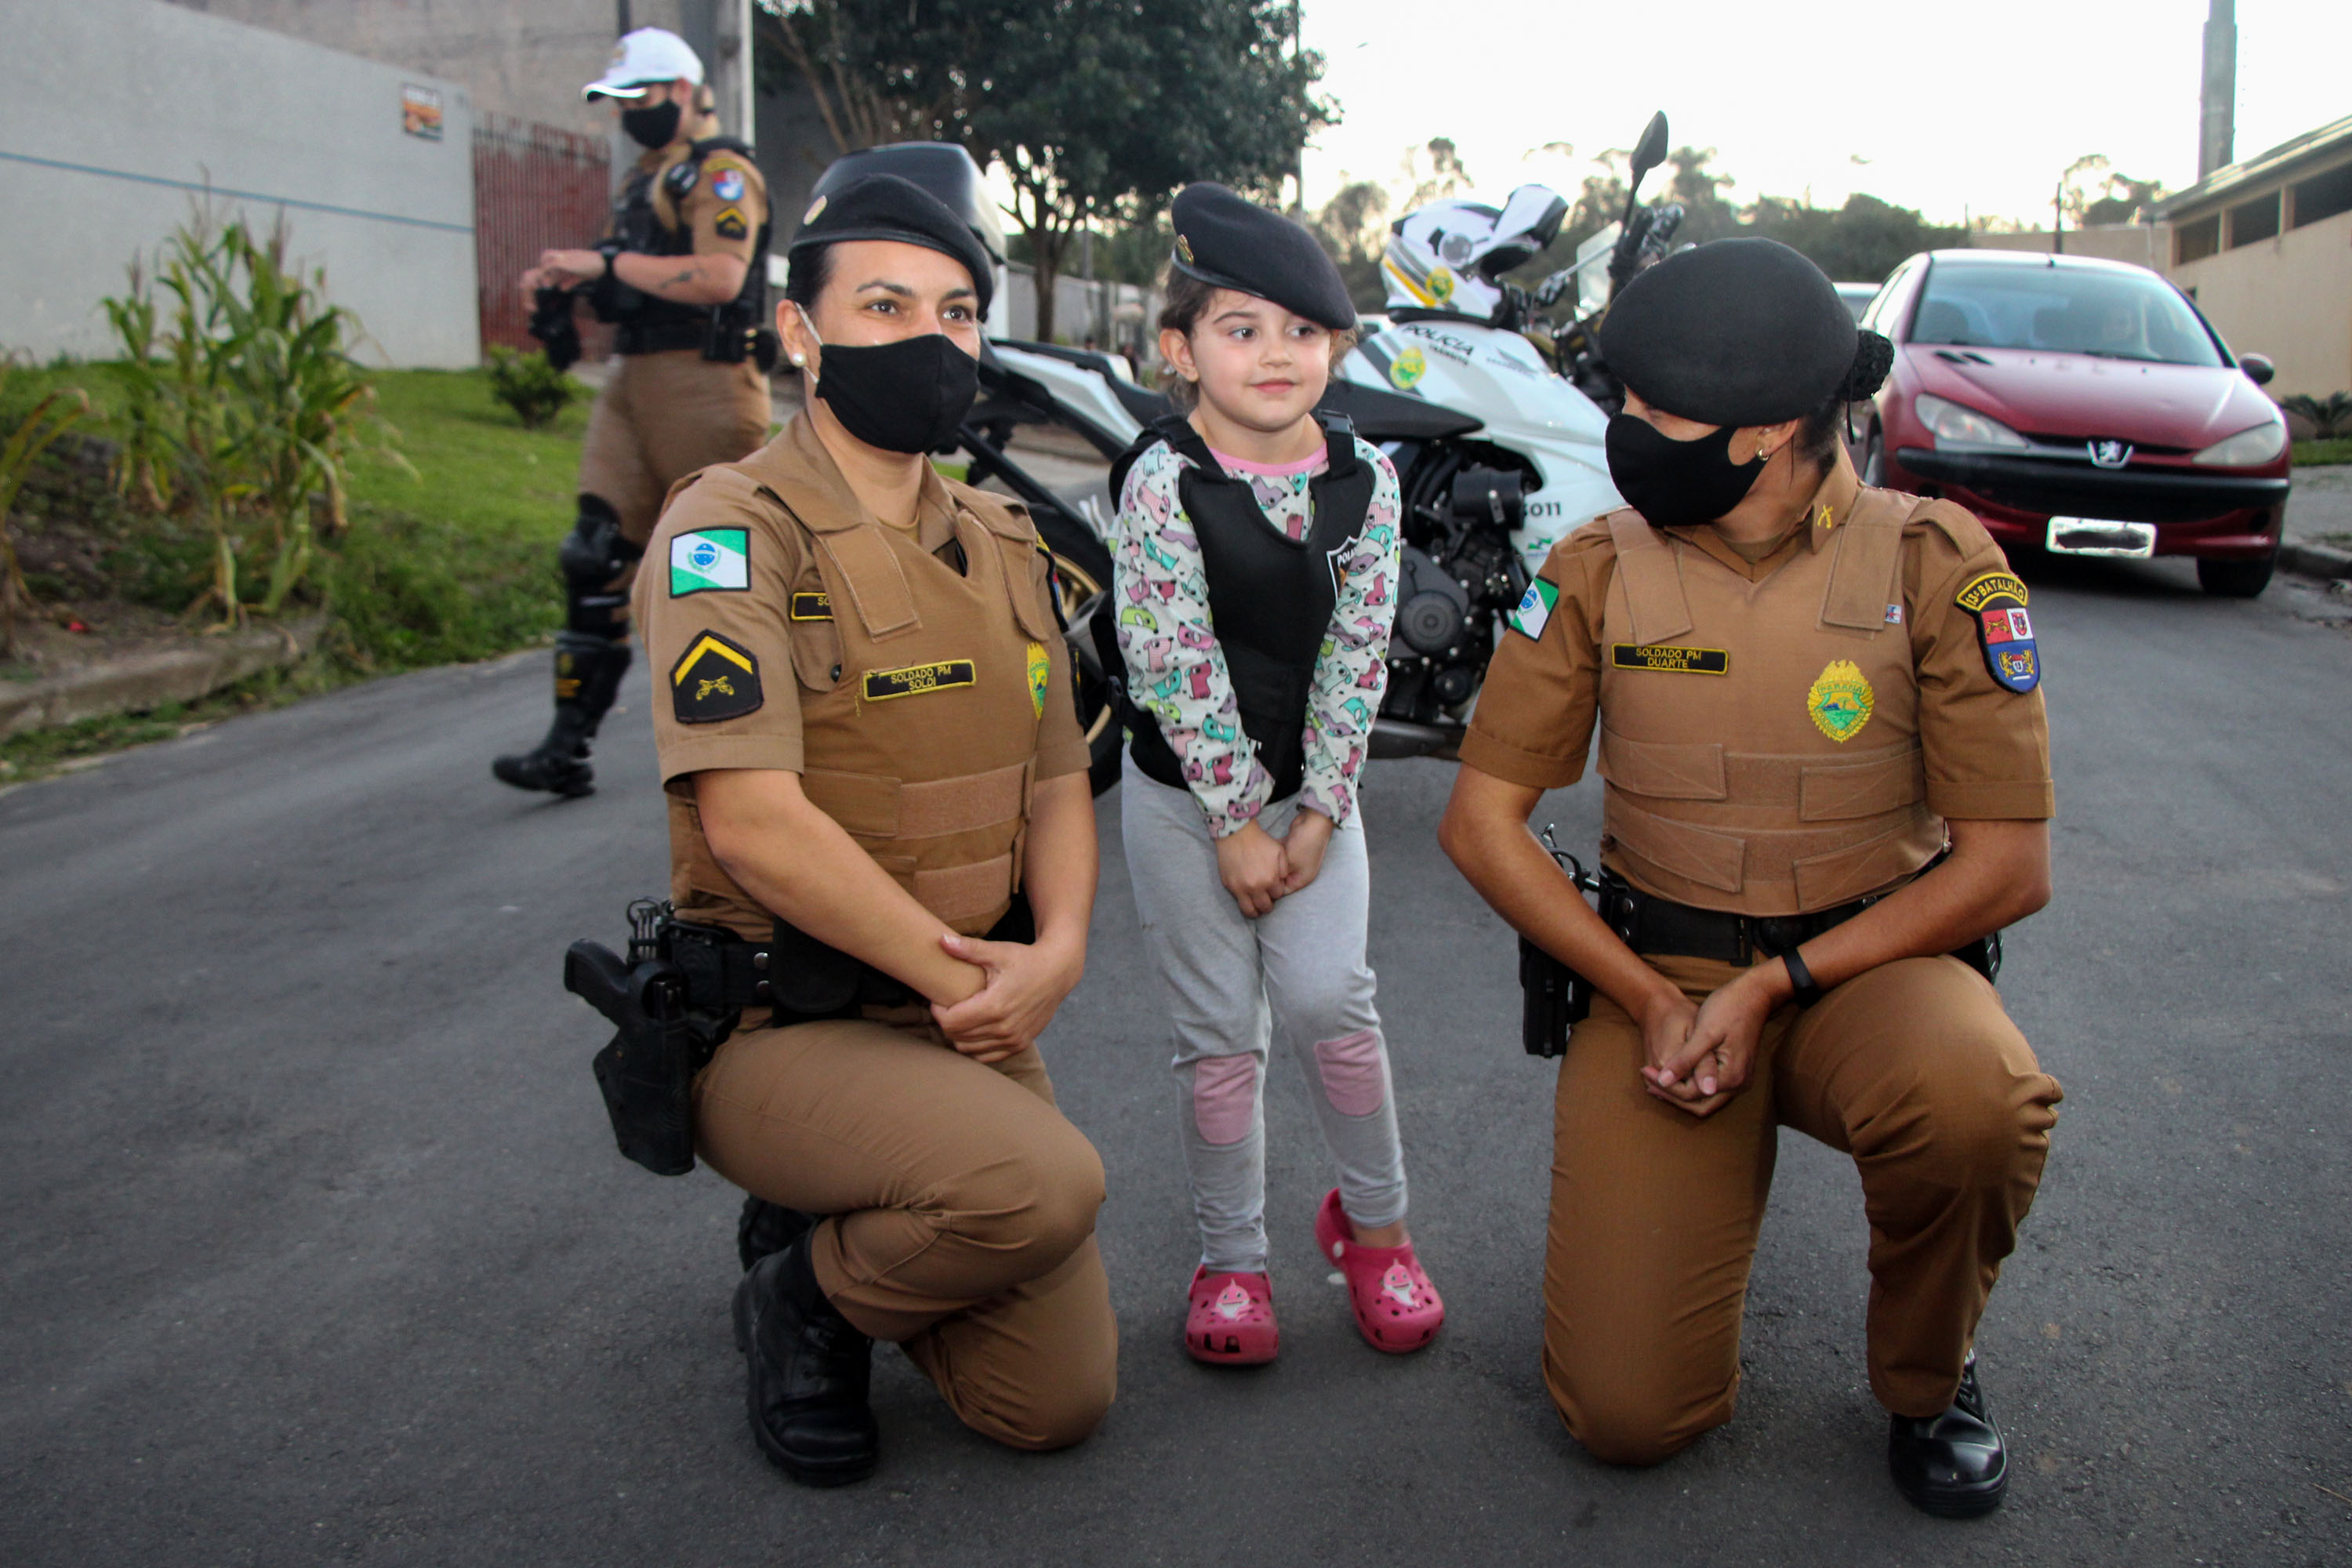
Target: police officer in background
(874, 769)
(1826, 778)
(683, 279)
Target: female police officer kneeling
(1803, 687)
(865, 728)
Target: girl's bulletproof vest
(921, 693)
(1270, 596)
(1760, 741)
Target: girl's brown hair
(1188, 300)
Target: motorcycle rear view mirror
(1651, 150)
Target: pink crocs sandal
(1397, 1308)
(1230, 1322)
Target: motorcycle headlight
(1965, 427)
(2259, 444)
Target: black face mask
(651, 127)
(1676, 484)
(906, 396)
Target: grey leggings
(1226, 980)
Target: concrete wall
(139, 106)
(2290, 298)
(2147, 244)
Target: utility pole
(2216, 128)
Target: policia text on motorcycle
(1804, 691)
(883, 865)
(682, 277)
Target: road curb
(2314, 560)
(134, 682)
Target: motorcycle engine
(1456, 574)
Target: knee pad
(592, 557)
(588, 672)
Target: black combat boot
(767, 1228)
(1951, 1465)
(809, 1373)
(588, 670)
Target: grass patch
(2337, 450)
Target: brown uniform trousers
(1913, 1068)
(966, 1206)
(659, 417)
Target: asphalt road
(316, 1248)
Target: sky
(1953, 109)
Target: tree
(1706, 215)
(1352, 229)
(1435, 173)
(2126, 200)
(1859, 242)
(1097, 109)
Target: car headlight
(1965, 427)
(2261, 444)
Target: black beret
(1739, 332)
(884, 206)
(1229, 243)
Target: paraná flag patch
(710, 560)
(1533, 612)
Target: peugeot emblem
(2111, 454)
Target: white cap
(648, 55)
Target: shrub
(2328, 416)
(534, 389)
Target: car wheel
(1874, 459)
(2236, 579)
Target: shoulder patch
(710, 560)
(1996, 605)
(730, 223)
(1533, 612)
(727, 185)
(715, 679)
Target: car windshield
(2116, 315)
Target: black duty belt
(797, 977)
(1649, 924)
(659, 337)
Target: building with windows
(2264, 247)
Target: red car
(2080, 406)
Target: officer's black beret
(1231, 242)
(1740, 331)
(884, 206)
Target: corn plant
(244, 405)
(25, 441)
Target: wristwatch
(1800, 979)
(608, 249)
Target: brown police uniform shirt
(1986, 747)
(725, 205)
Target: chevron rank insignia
(715, 679)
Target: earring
(1760, 454)
(799, 360)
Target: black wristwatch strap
(609, 249)
(1801, 978)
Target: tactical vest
(1270, 596)
(645, 219)
(921, 694)
(1760, 741)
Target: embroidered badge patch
(1041, 670)
(1669, 660)
(811, 606)
(1996, 602)
(730, 224)
(714, 679)
(728, 185)
(882, 684)
(1533, 612)
(1840, 701)
(710, 560)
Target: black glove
(552, 324)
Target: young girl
(1256, 551)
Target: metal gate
(534, 186)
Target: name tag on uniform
(1667, 659)
(811, 606)
(881, 685)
